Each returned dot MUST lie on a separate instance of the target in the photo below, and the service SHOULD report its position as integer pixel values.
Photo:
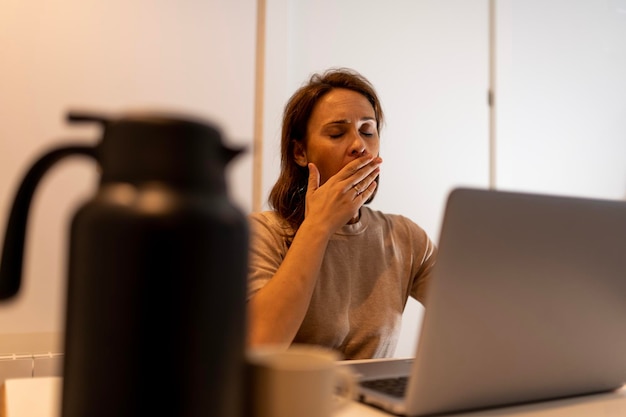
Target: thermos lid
(156, 146)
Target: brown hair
(287, 195)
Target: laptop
(527, 303)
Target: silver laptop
(527, 303)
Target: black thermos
(157, 273)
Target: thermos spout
(78, 117)
(230, 153)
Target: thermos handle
(13, 248)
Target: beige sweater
(369, 270)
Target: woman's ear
(299, 154)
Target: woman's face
(341, 128)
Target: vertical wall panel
(562, 107)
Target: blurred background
(555, 68)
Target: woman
(325, 269)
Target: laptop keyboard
(395, 387)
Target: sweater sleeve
(267, 249)
(426, 262)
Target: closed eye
(368, 128)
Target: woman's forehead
(341, 105)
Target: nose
(357, 147)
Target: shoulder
(267, 219)
(263, 216)
(268, 225)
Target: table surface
(19, 394)
(612, 404)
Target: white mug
(302, 381)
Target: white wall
(191, 56)
(562, 97)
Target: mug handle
(345, 391)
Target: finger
(365, 182)
(364, 176)
(314, 178)
(364, 195)
(354, 167)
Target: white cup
(301, 381)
